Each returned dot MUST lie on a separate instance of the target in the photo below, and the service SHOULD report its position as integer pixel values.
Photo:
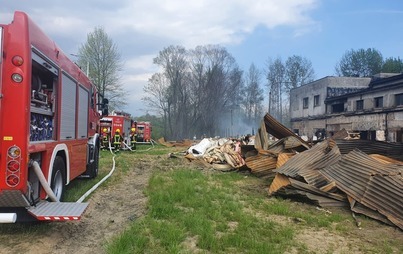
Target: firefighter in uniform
(105, 138)
(133, 138)
(117, 140)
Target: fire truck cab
(49, 122)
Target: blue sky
(252, 31)
(338, 26)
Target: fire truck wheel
(57, 181)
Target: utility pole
(231, 124)
(88, 64)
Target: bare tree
(101, 56)
(275, 84)
(218, 93)
(173, 60)
(199, 87)
(157, 89)
(252, 95)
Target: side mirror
(105, 111)
(104, 107)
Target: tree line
(202, 91)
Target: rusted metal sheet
(305, 164)
(384, 159)
(283, 158)
(262, 164)
(288, 186)
(288, 144)
(278, 182)
(373, 184)
(391, 150)
(278, 130)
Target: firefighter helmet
(105, 130)
(117, 130)
(133, 129)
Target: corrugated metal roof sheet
(279, 131)
(305, 164)
(392, 150)
(373, 184)
(262, 164)
(283, 158)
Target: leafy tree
(299, 71)
(360, 63)
(101, 56)
(392, 65)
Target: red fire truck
(49, 117)
(143, 130)
(120, 122)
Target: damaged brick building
(370, 108)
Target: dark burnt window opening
(399, 99)
(338, 108)
(378, 102)
(359, 105)
(305, 102)
(316, 101)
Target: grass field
(202, 211)
(190, 209)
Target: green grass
(123, 161)
(187, 204)
(193, 211)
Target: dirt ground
(126, 202)
(109, 212)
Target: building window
(378, 102)
(399, 99)
(305, 102)
(338, 108)
(359, 105)
(316, 101)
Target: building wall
(319, 88)
(369, 100)
(377, 123)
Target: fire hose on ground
(80, 200)
(110, 173)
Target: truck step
(58, 211)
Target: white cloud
(211, 22)
(141, 28)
